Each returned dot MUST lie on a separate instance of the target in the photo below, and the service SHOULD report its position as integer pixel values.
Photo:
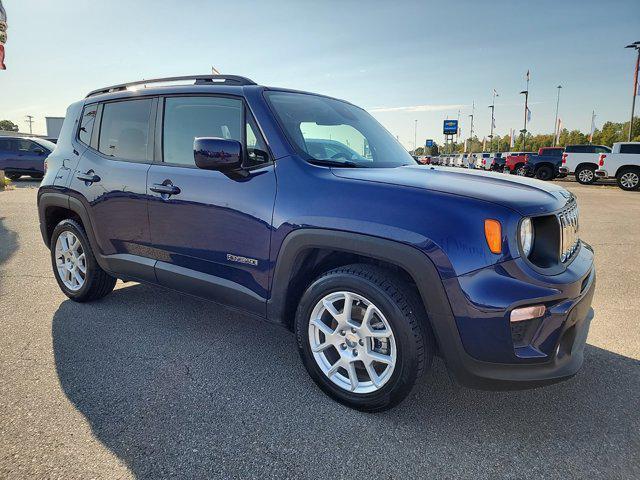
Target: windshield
(336, 133)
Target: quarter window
(124, 130)
(256, 146)
(186, 118)
(86, 123)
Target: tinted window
(27, 146)
(86, 123)
(124, 129)
(600, 149)
(6, 145)
(630, 148)
(256, 146)
(554, 152)
(186, 118)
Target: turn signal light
(527, 313)
(493, 234)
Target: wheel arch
(622, 168)
(305, 253)
(586, 164)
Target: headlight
(526, 236)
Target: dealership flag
(3, 34)
(511, 139)
(559, 130)
(528, 114)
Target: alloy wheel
(352, 342)
(586, 175)
(70, 261)
(630, 180)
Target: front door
(211, 237)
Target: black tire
(545, 172)
(14, 176)
(37, 176)
(628, 178)
(98, 283)
(586, 174)
(404, 312)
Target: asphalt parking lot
(148, 383)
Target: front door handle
(89, 177)
(165, 188)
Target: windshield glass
(329, 131)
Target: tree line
(610, 133)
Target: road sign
(428, 143)
(450, 127)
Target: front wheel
(360, 337)
(628, 178)
(586, 175)
(14, 176)
(521, 171)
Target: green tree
(8, 126)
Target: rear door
(211, 238)
(111, 181)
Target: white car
(623, 164)
(483, 160)
(582, 161)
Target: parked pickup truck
(623, 164)
(545, 165)
(515, 162)
(582, 161)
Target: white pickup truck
(582, 161)
(623, 164)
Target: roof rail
(199, 80)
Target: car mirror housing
(212, 153)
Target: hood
(526, 196)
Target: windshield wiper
(334, 163)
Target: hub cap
(352, 342)
(70, 261)
(585, 175)
(629, 180)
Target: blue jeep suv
(238, 193)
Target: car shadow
(25, 182)
(177, 386)
(8, 241)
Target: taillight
(526, 159)
(601, 159)
(564, 158)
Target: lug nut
(342, 332)
(353, 330)
(361, 342)
(355, 352)
(343, 346)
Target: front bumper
(487, 357)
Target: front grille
(569, 226)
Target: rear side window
(86, 123)
(124, 129)
(186, 118)
(630, 148)
(6, 145)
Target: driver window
(335, 142)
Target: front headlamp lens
(526, 236)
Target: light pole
(555, 128)
(493, 109)
(593, 125)
(415, 135)
(636, 46)
(526, 111)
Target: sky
(401, 60)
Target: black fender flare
(416, 263)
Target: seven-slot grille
(569, 240)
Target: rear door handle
(165, 188)
(88, 177)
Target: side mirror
(217, 153)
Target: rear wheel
(74, 265)
(545, 172)
(13, 176)
(586, 174)
(628, 178)
(520, 170)
(360, 337)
